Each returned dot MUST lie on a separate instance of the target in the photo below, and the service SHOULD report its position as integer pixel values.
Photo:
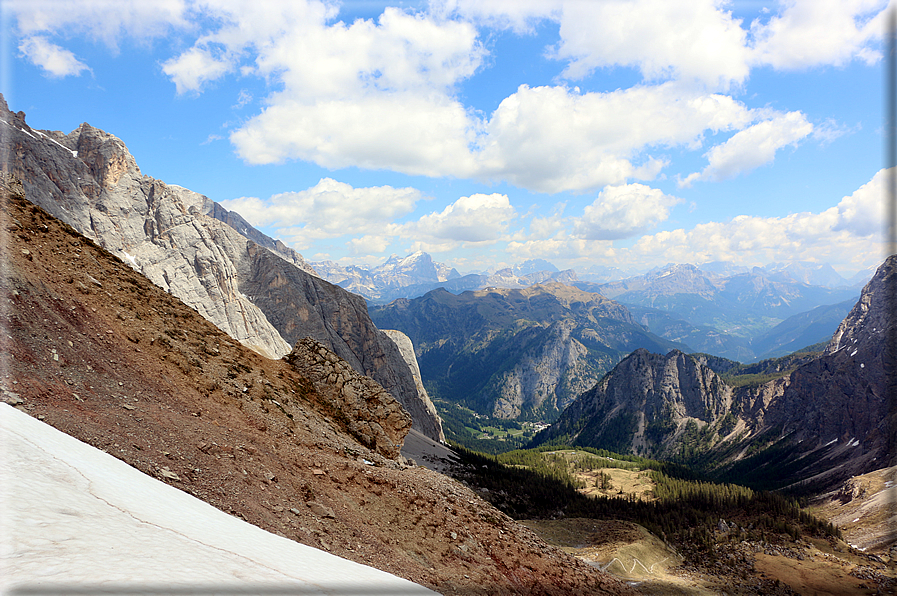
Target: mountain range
(516, 353)
(733, 315)
(721, 308)
(817, 422)
(148, 321)
(417, 274)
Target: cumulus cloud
(54, 60)
(194, 67)
(548, 139)
(693, 41)
(623, 211)
(107, 21)
(816, 32)
(752, 147)
(698, 41)
(473, 219)
(553, 139)
(848, 234)
(330, 209)
(862, 213)
(406, 132)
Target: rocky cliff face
(647, 405)
(843, 395)
(209, 258)
(406, 348)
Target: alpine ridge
(250, 286)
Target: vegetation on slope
(541, 484)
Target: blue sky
(626, 133)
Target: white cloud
(194, 67)
(847, 235)
(477, 218)
(690, 41)
(381, 95)
(548, 139)
(519, 15)
(863, 212)
(107, 21)
(752, 147)
(697, 41)
(406, 132)
(330, 209)
(56, 61)
(369, 244)
(552, 139)
(817, 32)
(623, 211)
(244, 98)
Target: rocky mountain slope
(94, 349)
(513, 353)
(801, 330)
(821, 423)
(254, 288)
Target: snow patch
(131, 258)
(74, 153)
(832, 442)
(98, 522)
(854, 353)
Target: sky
(591, 133)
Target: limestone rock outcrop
(406, 348)
(211, 259)
(369, 413)
(646, 404)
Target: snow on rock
(75, 517)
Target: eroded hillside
(93, 348)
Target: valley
(537, 437)
(751, 543)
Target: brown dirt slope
(94, 349)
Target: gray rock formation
(208, 257)
(406, 348)
(646, 405)
(369, 413)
